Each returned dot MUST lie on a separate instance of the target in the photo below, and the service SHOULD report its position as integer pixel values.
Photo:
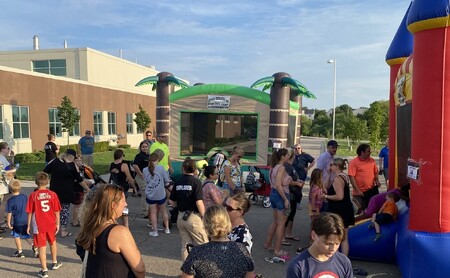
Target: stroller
(256, 183)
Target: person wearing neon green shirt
(161, 143)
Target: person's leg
(290, 219)
(154, 217)
(54, 251)
(141, 183)
(185, 237)
(18, 244)
(165, 215)
(64, 219)
(196, 229)
(271, 230)
(3, 201)
(280, 229)
(345, 247)
(377, 227)
(43, 257)
(75, 220)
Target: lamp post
(333, 61)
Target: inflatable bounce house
(202, 118)
(419, 127)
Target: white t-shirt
(4, 161)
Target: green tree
(142, 119)
(321, 125)
(377, 122)
(355, 129)
(305, 127)
(68, 115)
(344, 113)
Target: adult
(187, 196)
(5, 151)
(112, 251)
(50, 148)
(321, 259)
(302, 162)
(63, 173)
(156, 178)
(375, 204)
(279, 200)
(295, 193)
(139, 163)
(212, 194)
(237, 206)
(220, 257)
(149, 138)
(78, 193)
(383, 161)
(363, 174)
(161, 143)
(339, 200)
(323, 163)
(120, 175)
(85, 148)
(230, 172)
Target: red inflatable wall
(430, 142)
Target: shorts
(157, 202)
(384, 218)
(40, 240)
(276, 201)
(20, 232)
(78, 198)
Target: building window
(75, 131)
(98, 123)
(54, 124)
(53, 67)
(111, 123)
(21, 126)
(130, 123)
(1, 122)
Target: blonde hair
(217, 222)
(14, 185)
(41, 178)
(290, 152)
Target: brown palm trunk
(163, 90)
(279, 112)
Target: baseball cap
(71, 151)
(332, 143)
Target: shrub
(101, 146)
(124, 146)
(27, 158)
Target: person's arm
(8, 220)
(57, 222)
(184, 275)
(279, 185)
(79, 149)
(356, 189)
(121, 240)
(338, 185)
(312, 201)
(227, 173)
(216, 195)
(126, 170)
(311, 165)
(200, 207)
(250, 274)
(170, 165)
(375, 173)
(29, 222)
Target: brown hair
(41, 179)
(242, 201)
(327, 223)
(14, 185)
(276, 156)
(316, 178)
(189, 166)
(154, 157)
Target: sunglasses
(297, 148)
(230, 208)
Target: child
(387, 214)
(316, 193)
(45, 205)
(321, 258)
(16, 211)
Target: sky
(232, 42)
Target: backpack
(251, 181)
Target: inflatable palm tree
(164, 83)
(283, 88)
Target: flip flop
(274, 260)
(285, 243)
(282, 253)
(66, 235)
(292, 238)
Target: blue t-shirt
(305, 265)
(384, 153)
(17, 205)
(87, 144)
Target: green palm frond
(298, 87)
(267, 82)
(173, 80)
(147, 81)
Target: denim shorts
(20, 232)
(276, 201)
(158, 202)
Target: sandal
(292, 238)
(285, 243)
(68, 234)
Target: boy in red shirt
(387, 214)
(45, 205)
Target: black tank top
(118, 178)
(106, 263)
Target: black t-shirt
(50, 151)
(141, 160)
(63, 175)
(186, 192)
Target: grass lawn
(101, 164)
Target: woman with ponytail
(156, 178)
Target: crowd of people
(209, 212)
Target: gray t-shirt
(154, 189)
(305, 265)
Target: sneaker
(43, 273)
(153, 234)
(18, 254)
(35, 251)
(377, 237)
(167, 231)
(56, 265)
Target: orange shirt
(364, 172)
(390, 208)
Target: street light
(333, 61)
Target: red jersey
(44, 203)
